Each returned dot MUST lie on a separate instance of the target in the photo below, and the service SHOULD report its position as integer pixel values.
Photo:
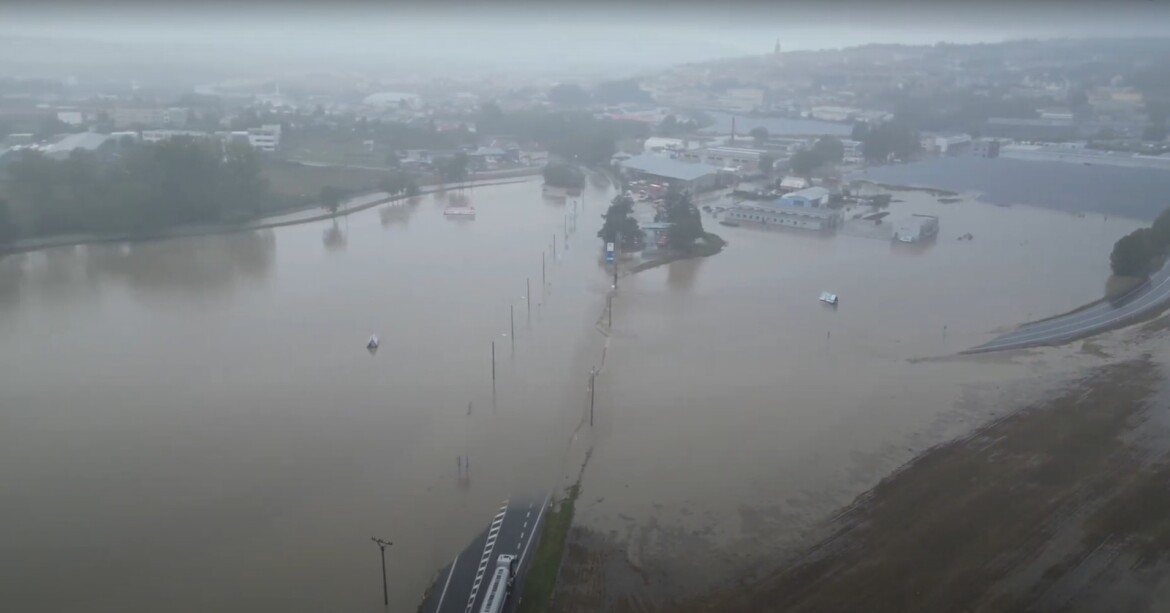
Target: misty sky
(576, 34)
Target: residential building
(154, 136)
(70, 117)
(148, 117)
(265, 138)
(946, 144)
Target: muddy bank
(1060, 506)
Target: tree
(620, 223)
(804, 162)
(686, 223)
(559, 174)
(760, 134)
(767, 163)
(829, 149)
(8, 229)
(568, 94)
(1161, 231)
(859, 131)
(1132, 254)
(454, 168)
(331, 198)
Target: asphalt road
(462, 584)
(1152, 295)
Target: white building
(154, 136)
(736, 158)
(71, 117)
(265, 138)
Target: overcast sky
(576, 33)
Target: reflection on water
(333, 238)
(399, 213)
(195, 266)
(680, 276)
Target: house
(693, 176)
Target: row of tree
(396, 183)
(1135, 253)
(607, 92)
(891, 139)
(572, 135)
(826, 150)
(135, 187)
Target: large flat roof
(664, 166)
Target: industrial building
(693, 176)
(805, 209)
(916, 229)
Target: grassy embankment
(546, 560)
(292, 185)
(710, 244)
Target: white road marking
(443, 595)
(529, 544)
(1025, 337)
(485, 559)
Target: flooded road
(195, 424)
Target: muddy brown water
(195, 424)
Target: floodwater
(195, 424)
(739, 411)
(1112, 190)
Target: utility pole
(609, 309)
(382, 545)
(554, 247)
(528, 296)
(543, 282)
(592, 387)
(493, 364)
(617, 243)
(512, 325)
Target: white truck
(501, 585)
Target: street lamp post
(382, 545)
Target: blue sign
(609, 252)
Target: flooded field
(1111, 190)
(739, 411)
(195, 423)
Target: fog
(553, 37)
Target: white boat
(373, 343)
(830, 298)
(459, 211)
